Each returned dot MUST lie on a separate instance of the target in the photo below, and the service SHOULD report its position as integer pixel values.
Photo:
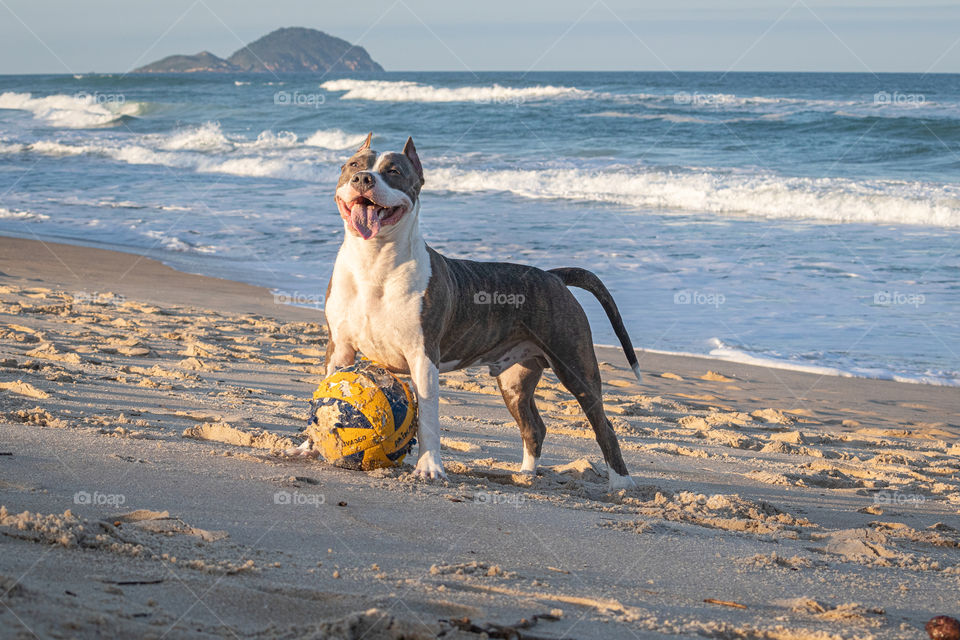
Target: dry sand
(142, 411)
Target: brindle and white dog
(403, 305)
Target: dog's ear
(366, 143)
(411, 152)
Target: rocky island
(287, 50)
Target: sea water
(808, 221)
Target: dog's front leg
(426, 381)
(340, 354)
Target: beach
(144, 412)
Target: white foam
(273, 140)
(403, 91)
(334, 139)
(666, 117)
(724, 353)
(120, 204)
(55, 148)
(764, 195)
(206, 149)
(11, 214)
(173, 243)
(262, 168)
(682, 119)
(207, 137)
(79, 111)
(407, 91)
(721, 351)
(210, 137)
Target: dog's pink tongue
(365, 220)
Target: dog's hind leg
(575, 364)
(518, 384)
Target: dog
(403, 305)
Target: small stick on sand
(726, 603)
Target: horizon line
(474, 71)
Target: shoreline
(735, 357)
(815, 395)
(786, 365)
(135, 276)
(144, 492)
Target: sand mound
(222, 432)
(22, 388)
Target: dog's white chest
(375, 306)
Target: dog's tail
(588, 281)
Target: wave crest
(334, 139)
(404, 91)
(761, 195)
(78, 111)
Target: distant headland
(287, 50)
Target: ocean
(806, 221)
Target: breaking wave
(78, 111)
(402, 91)
(764, 195)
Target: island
(287, 50)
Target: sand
(143, 414)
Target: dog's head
(378, 191)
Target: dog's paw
(305, 450)
(429, 467)
(619, 482)
(530, 463)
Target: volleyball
(363, 417)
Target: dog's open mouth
(366, 216)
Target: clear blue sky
(61, 36)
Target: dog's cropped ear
(366, 143)
(411, 152)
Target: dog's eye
(394, 171)
(354, 164)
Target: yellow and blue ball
(363, 417)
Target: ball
(363, 417)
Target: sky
(70, 36)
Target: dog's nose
(362, 181)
